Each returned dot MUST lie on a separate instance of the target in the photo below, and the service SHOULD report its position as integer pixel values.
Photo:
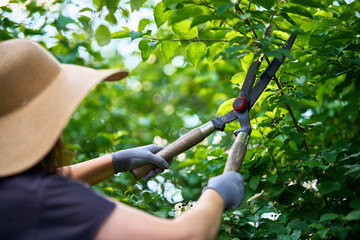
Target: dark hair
(56, 158)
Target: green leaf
(276, 189)
(171, 3)
(352, 216)
(271, 227)
(111, 18)
(355, 155)
(328, 186)
(272, 134)
(297, 224)
(99, 4)
(102, 35)
(120, 34)
(202, 19)
(329, 156)
(195, 51)
(232, 35)
(214, 50)
(168, 48)
(160, 15)
(291, 194)
(287, 18)
(272, 178)
(254, 182)
(295, 235)
(323, 232)
(62, 21)
(219, 3)
(309, 3)
(145, 49)
(328, 217)
(136, 34)
(222, 9)
(299, 11)
(288, 100)
(238, 78)
(126, 29)
(355, 204)
(85, 22)
(352, 171)
(193, 179)
(310, 98)
(142, 24)
(299, 95)
(245, 16)
(323, 13)
(86, 9)
(313, 163)
(225, 107)
(267, 4)
(73, 147)
(296, 137)
(147, 197)
(316, 40)
(246, 61)
(183, 30)
(135, 4)
(110, 190)
(340, 232)
(112, 5)
(317, 226)
(184, 13)
(278, 53)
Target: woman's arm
(224, 192)
(98, 169)
(200, 222)
(91, 171)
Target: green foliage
(302, 166)
(102, 35)
(195, 51)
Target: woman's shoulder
(29, 180)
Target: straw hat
(37, 97)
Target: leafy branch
(276, 80)
(187, 40)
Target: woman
(40, 198)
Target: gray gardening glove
(230, 187)
(128, 159)
(156, 171)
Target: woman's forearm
(208, 211)
(91, 171)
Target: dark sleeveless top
(37, 205)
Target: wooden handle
(237, 153)
(182, 144)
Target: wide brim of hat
(28, 133)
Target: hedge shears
(241, 107)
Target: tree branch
(189, 40)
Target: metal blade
(250, 79)
(229, 117)
(269, 73)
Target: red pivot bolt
(239, 104)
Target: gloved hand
(230, 187)
(128, 159)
